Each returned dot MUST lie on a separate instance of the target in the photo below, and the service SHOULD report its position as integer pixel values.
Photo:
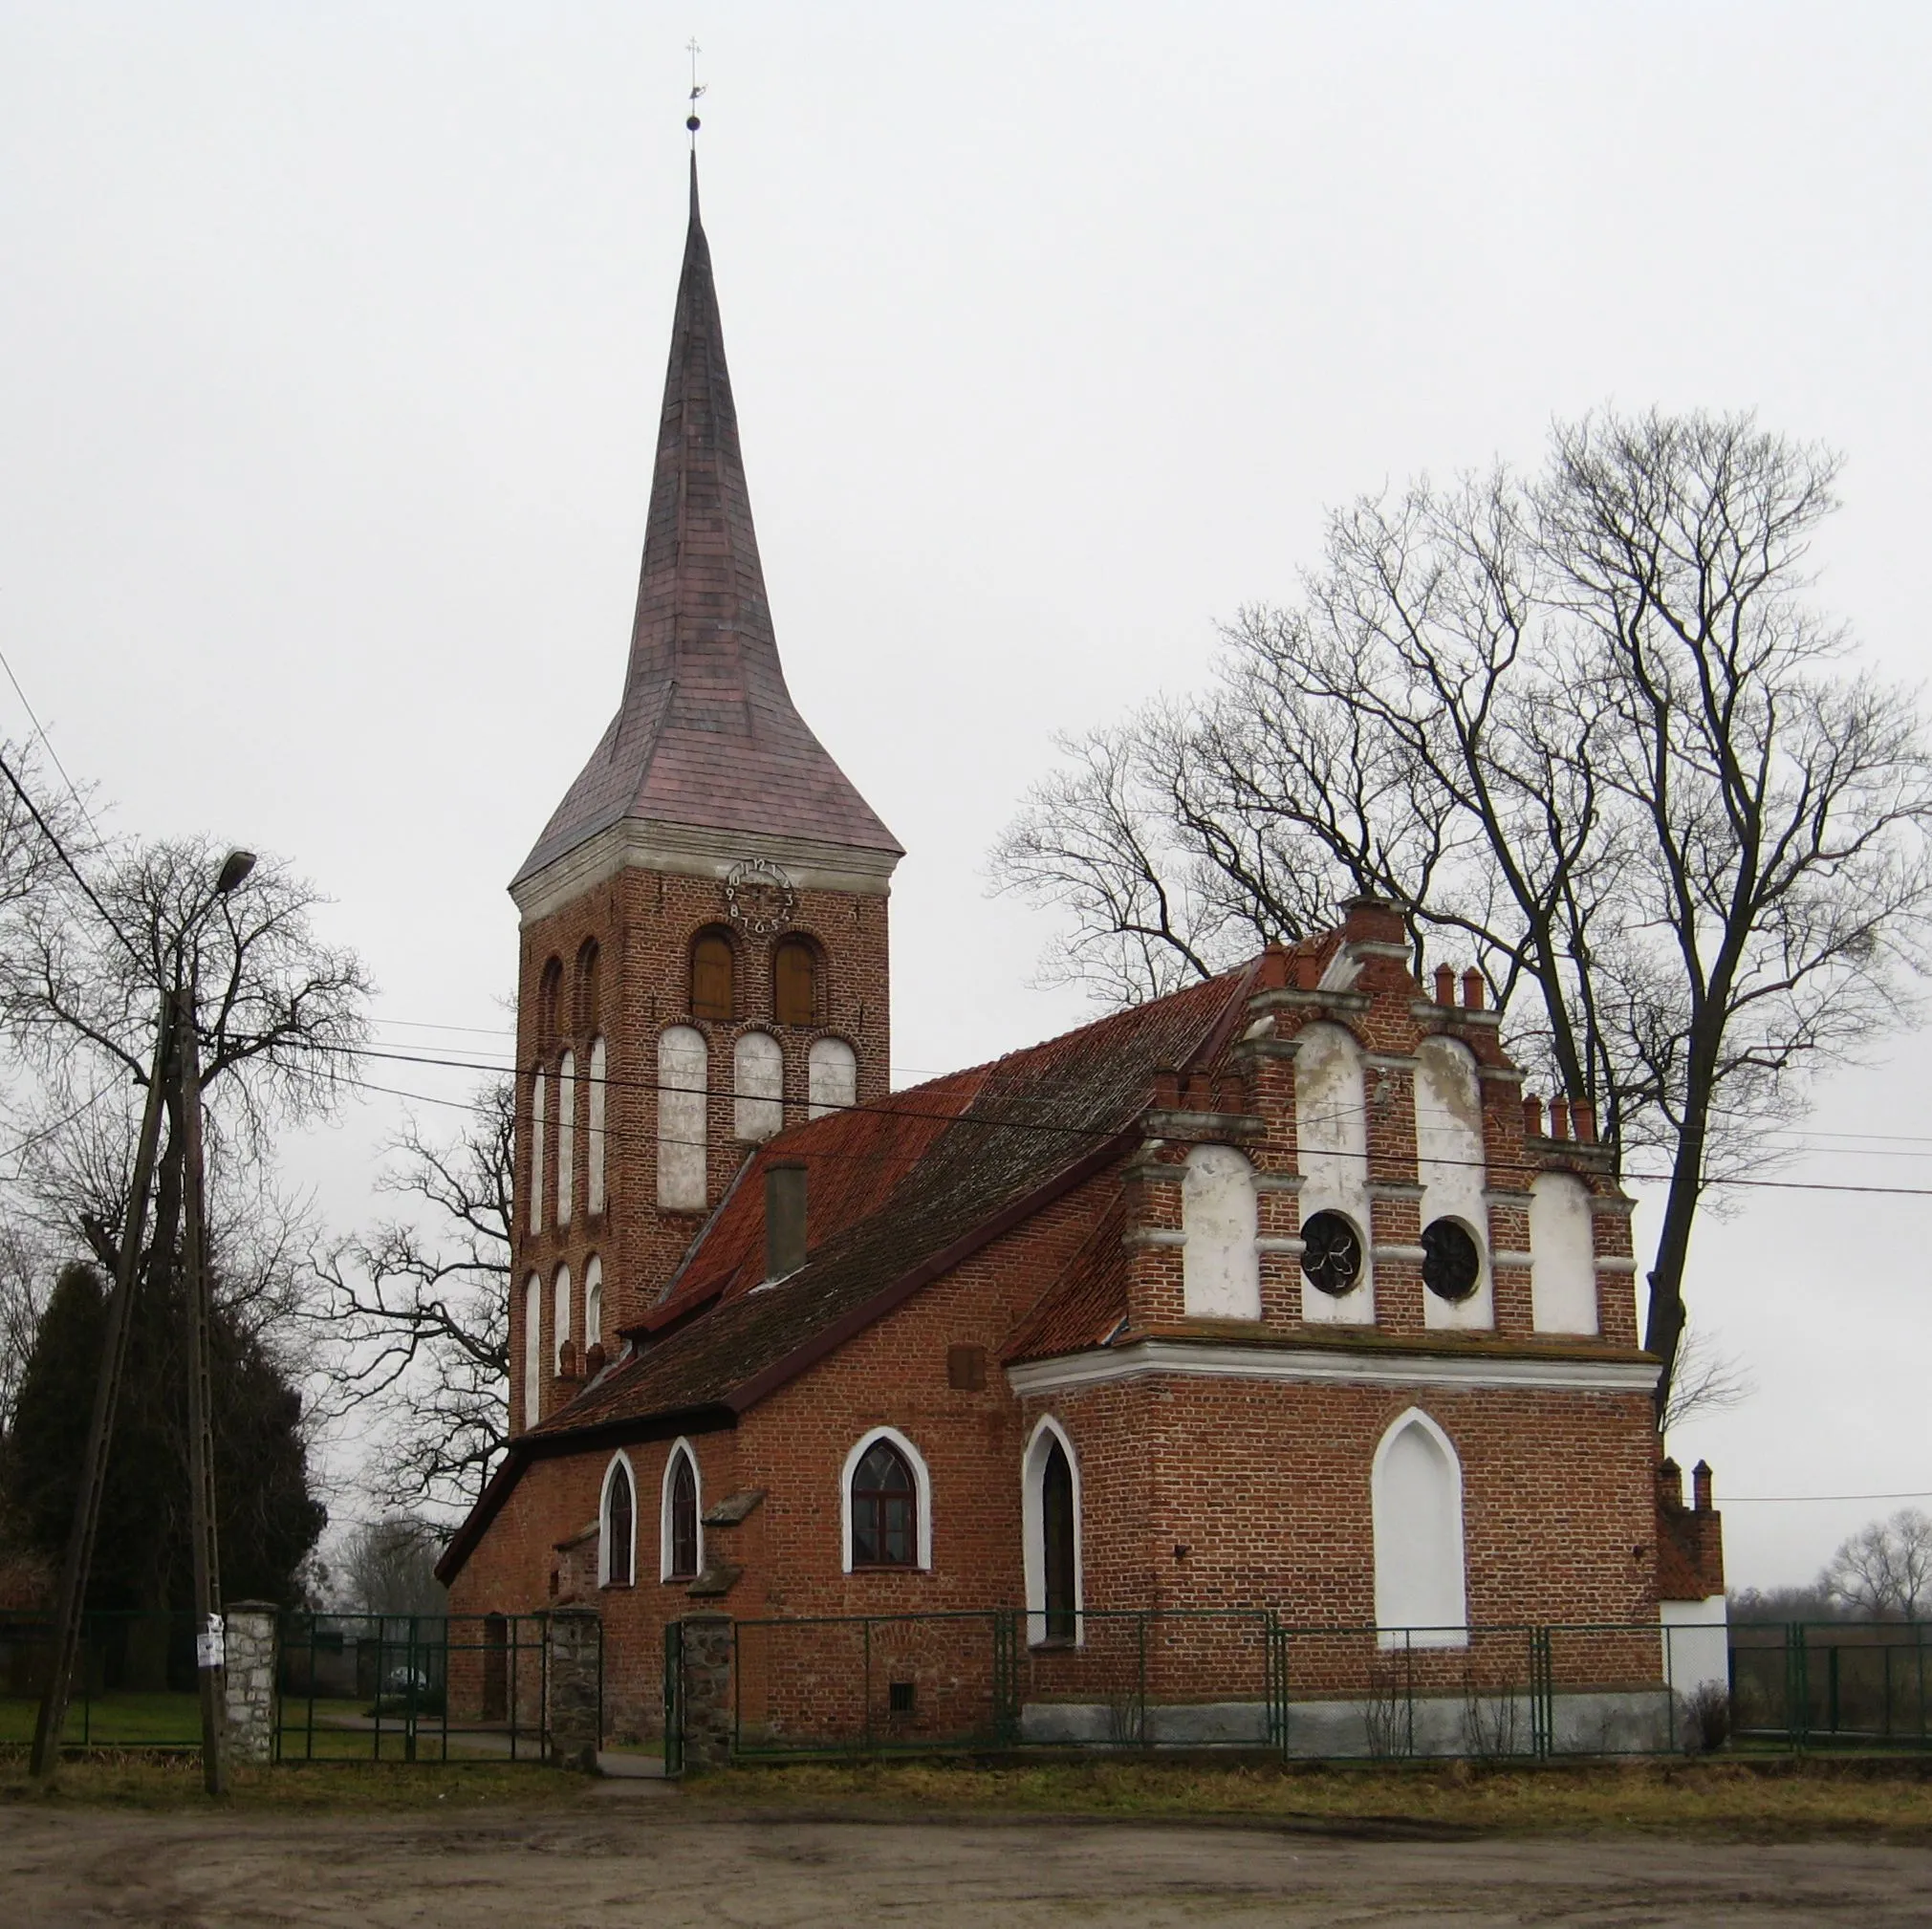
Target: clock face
(759, 897)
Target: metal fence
(1247, 1679)
(413, 1688)
(134, 1681)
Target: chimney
(784, 1219)
(1583, 1117)
(1445, 984)
(1559, 1119)
(1670, 1484)
(1369, 920)
(1472, 988)
(1532, 1115)
(1700, 1486)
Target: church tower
(704, 950)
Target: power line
(48, 831)
(1792, 1500)
(47, 744)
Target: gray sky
(333, 341)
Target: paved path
(637, 1856)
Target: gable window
(794, 984)
(617, 1526)
(713, 978)
(1050, 1516)
(683, 1550)
(1416, 1490)
(888, 1503)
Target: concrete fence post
(575, 1667)
(251, 1629)
(709, 1718)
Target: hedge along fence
(1248, 1679)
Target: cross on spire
(691, 121)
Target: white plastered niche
(1451, 1165)
(1331, 1134)
(1220, 1266)
(1562, 1255)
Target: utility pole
(79, 1555)
(175, 1086)
(210, 1638)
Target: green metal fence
(1248, 1679)
(134, 1681)
(413, 1688)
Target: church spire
(706, 736)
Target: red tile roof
(706, 734)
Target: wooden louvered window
(712, 975)
(794, 984)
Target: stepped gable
(707, 735)
(1028, 1125)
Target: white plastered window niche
(1416, 1490)
(1047, 1433)
(538, 1102)
(921, 1483)
(681, 1454)
(560, 1317)
(830, 1077)
(594, 1301)
(684, 1082)
(1562, 1255)
(1220, 1266)
(566, 1137)
(758, 1081)
(599, 1084)
(1453, 1167)
(618, 1551)
(1331, 1140)
(532, 1350)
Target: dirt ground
(638, 1855)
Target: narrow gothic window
(794, 984)
(619, 1524)
(549, 996)
(683, 1077)
(1415, 1488)
(682, 1526)
(589, 1002)
(713, 973)
(595, 1158)
(884, 1509)
(532, 1351)
(1056, 1524)
(566, 1137)
(537, 1102)
(832, 1077)
(560, 1336)
(593, 1302)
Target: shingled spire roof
(706, 734)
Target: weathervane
(694, 50)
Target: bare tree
(1584, 727)
(26, 1281)
(388, 1567)
(417, 1322)
(1885, 1569)
(1707, 1379)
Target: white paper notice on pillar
(211, 1648)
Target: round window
(1331, 1252)
(1451, 1265)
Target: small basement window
(901, 1698)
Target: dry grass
(149, 1782)
(1890, 1800)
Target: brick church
(1277, 1292)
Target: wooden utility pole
(79, 1555)
(211, 1641)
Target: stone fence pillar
(252, 1632)
(575, 1668)
(708, 1720)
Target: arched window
(887, 1503)
(589, 993)
(593, 1302)
(794, 982)
(758, 1079)
(1220, 1269)
(566, 1137)
(1331, 1126)
(683, 1075)
(596, 1159)
(532, 1351)
(1415, 1488)
(548, 998)
(1050, 1517)
(539, 1100)
(1562, 1255)
(832, 1077)
(1449, 1162)
(713, 978)
(560, 1304)
(682, 1555)
(617, 1526)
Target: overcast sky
(333, 339)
